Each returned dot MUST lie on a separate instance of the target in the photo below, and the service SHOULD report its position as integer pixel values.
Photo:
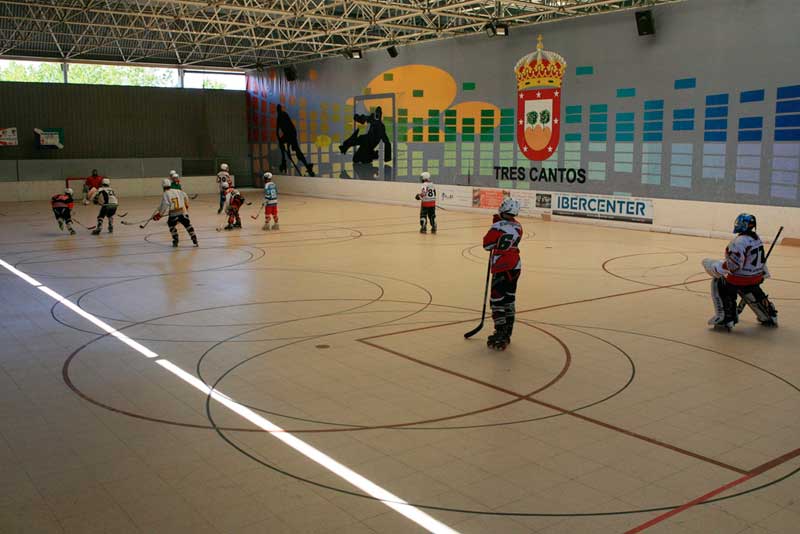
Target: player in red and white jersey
(502, 241)
(223, 177)
(741, 272)
(233, 201)
(175, 204)
(427, 209)
(62, 205)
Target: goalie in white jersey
(175, 205)
(741, 272)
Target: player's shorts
(271, 209)
(107, 211)
(62, 213)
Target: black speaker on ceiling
(645, 24)
(392, 51)
(291, 73)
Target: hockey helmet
(68, 191)
(509, 206)
(744, 223)
(106, 181)
(166, 183)
(425, 176)
(267, 176)
(173, 174)
(224, 167)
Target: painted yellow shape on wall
(439, 89)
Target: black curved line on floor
(272, 467)
(243, 248)
(686, 280)
(407, 426)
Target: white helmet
(106, 181)
(165, 183)
(68, 191)
(426, 176)
(173, 174)
(509, 207)
(225, 185)
(268, 176)
(224, 167)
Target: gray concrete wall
(122, 131)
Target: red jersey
(94, 182)
(62, 200)
(502, 240)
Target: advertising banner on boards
(617, 208)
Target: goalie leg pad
(759, 302)
(716, 300)
(723, 296)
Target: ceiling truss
(247, 34)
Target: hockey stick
(83, 225)
(742, 303)
(193, 196)
(485, 294)
(121, 215)
(256, 216)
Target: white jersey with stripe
(224, 177)
(104, 196)
(174, 202)
(745, 259)
(427, 195)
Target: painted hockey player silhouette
(368, 143)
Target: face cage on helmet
(744, 223)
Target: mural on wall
(635, 121)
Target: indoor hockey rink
(321, 376)
(345, 398)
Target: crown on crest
(540, 68)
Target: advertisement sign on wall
(487, 198)
(629, 209)
(8, 137)
(49, 137)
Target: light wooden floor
(615, 403)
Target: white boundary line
(392, 501)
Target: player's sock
(60, 224)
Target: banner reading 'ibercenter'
(627, 209)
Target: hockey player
(92, 182)
(741, 272)
(270, 202)
(223, 177)
(106, 198)
(175, 180)
(175, 204)
(62, 205)
(427, 209)
(502, 241)
(233, 201)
